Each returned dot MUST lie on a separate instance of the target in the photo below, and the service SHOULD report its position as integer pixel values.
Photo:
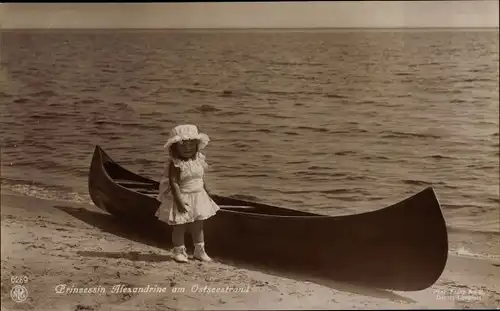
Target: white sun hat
(186, 132)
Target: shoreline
(44, 242)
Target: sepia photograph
(304, 155)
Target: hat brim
(201, 137)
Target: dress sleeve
(203, 162)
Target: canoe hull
(368, 249)
(401, 247)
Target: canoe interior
(147, 187)
(401, 247)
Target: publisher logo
(19, 293)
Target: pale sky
(377, 14)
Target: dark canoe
(401, 247)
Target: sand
(57, 255)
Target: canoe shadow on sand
(151, 234)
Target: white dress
(199, 205)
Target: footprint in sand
(34, 246)
(80, 307)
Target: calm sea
(335, 122)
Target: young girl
(185, 202)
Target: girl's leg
(178, 232)
(197, 231)
(199, 241)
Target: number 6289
(19, 279)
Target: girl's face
(187, 149)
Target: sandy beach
(67, 262)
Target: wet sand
(47, 242)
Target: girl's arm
(176, 190)
(205, 187)
(205, 167)
(164, 181)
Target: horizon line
(249, 28)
